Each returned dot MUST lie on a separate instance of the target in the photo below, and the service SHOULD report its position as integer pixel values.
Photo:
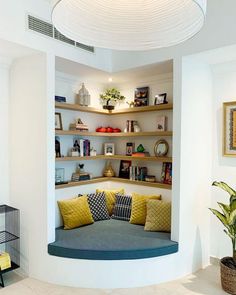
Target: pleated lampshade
(129, 24)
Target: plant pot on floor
(228, 275)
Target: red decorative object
(108, 129)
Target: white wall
(13, 27)
(4, 130)
(195, 162)
(223, 168)
(28, 150)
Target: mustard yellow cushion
(75, 212)
(158, 216)
(111, 197)
(139, 207)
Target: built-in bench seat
(111, 240)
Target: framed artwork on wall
(229, 129)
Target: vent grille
(40, 26)
(63, 38)
(85, 47)
(37, 25)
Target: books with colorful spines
(86, 147)
(168, 173)
(139, 154)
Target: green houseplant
(227, 216)
(110, 97)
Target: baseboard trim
(214, 260)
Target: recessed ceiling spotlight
(110, 79)
(129, 24)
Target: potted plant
(228, 218)
(110, 97)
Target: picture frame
(58, 121)
(160, 99)
(124, 170)
(109, 149)
(229, 129)
(141, 96)
(130, 148)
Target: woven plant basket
(228, 277)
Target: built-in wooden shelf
(115, 179)
(75, 107)
(116, 157)
(118, 134)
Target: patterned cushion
(110, 197)
(158, 216)
(122, 208)
(98, 207)
(139, 207)
(75, 212)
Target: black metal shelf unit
(10, 237)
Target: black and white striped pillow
(97, 206)
(122, 208)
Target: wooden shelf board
(115, 157)
(75, 107)
(115, 179)
(120, 134)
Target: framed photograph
(124, 169)
(109, 149)
(58, 121)
(160, 99)
(141, 96)
(130, 148)
(229, 129)
(161, 123)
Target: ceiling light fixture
(129, 24)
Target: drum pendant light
(129, 24)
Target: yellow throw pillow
(158, 216)
(139, 207)
(75, 212)
(111, 197)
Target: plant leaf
(225, 187)
(232, 217)
(233, 205)
(220, 216)
(225, 208)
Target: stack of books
(80, 176)
(141, 154)
(79, 125)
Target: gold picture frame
(229, 129)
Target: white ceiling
(88, 73)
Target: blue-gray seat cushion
(111, 240)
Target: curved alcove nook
(111, 240)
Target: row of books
(82, 146)
(137, 173)
(166, 174)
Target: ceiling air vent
(63, 38)
(85, 47)
(37, 25)
(40, 26)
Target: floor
(204, 282)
